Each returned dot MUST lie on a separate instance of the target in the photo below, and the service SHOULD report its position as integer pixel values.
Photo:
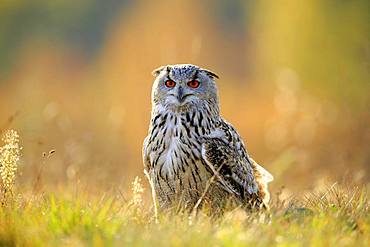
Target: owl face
(182, 85)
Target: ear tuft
(211, 74)
(157, 71)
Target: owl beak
(180, 94)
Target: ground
(338, 216)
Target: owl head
(182, 86)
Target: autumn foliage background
(75, 77)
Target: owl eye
(193, 84)
(170, 83)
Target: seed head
(137, 191)
(9, 157)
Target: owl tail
(263, 177)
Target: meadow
(336, 216)
(75, 86)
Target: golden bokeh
(294, 80)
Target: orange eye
(193, 84)
(170, 83)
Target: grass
(337, 217)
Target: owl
(192, 156)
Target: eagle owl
(192, 156)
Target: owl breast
(177, 169)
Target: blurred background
(75, 77)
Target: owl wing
(224, 153)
